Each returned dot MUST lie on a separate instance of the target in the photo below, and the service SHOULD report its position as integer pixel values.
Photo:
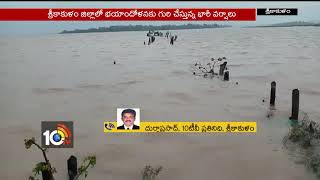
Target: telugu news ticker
(128, 14)
(177, 127)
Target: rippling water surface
(72, 77)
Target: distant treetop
(145, 28)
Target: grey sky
(307, 11)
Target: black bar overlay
(277, 11)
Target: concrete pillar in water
(273, 93)
(295, 105)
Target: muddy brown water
(72, 77)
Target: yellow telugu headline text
(202, 127)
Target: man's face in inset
(128, 119)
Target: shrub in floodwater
(47, 170)
(150, 173)
(304, 132)
(206, 69)
(313, 163)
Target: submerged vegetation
(305, 135)
(150, 173)
(43, 167)
(47, 170)
(207, 69)
(313, 164)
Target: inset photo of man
(128, 118)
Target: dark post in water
(222, 67)
(72, 167)
(226, 76)
(273, 93)
(295, 105)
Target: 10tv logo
(57, 134)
